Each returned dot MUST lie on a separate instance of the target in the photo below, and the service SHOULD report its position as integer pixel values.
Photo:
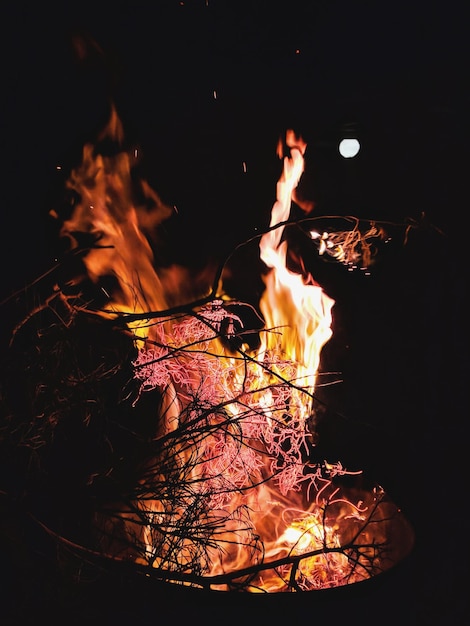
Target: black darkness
(203, 86)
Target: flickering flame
(300, 310)
(114, 227)
(232, 501)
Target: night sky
(203, 87)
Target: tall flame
(300, 310)
(112, 224)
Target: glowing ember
(227, 497)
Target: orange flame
(114, 226)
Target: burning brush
(176, 436)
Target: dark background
(396, 74)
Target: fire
(113, 227)
(300, 309)
(227, 498)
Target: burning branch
(228, 450)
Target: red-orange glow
(232, 429)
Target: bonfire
(152, 420)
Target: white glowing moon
(348, 148)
